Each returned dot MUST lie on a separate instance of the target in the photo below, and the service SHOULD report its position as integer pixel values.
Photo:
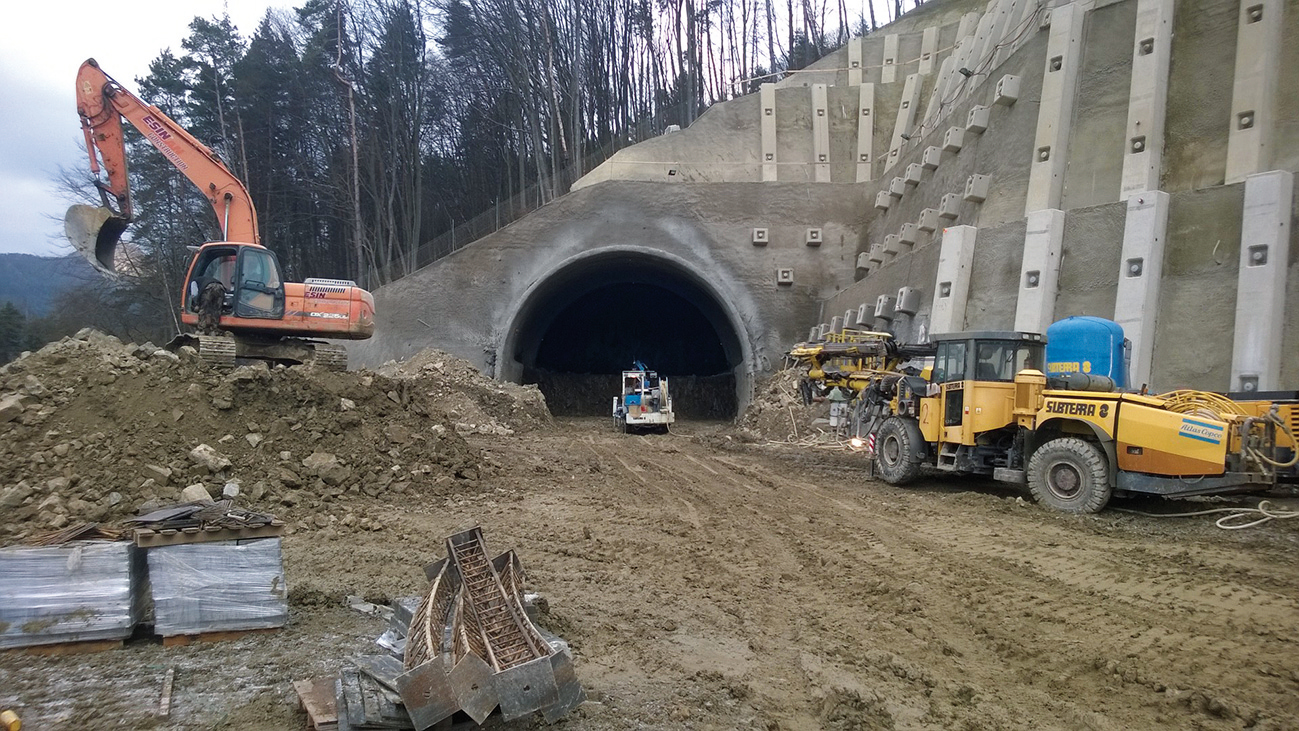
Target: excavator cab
(249, 275)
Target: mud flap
(94, 232)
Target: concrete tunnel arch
(581, 323)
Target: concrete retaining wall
(693, 198)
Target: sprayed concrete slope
(1101, 158)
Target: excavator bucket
(94, 232)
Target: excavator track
(226, 352)
(330, 357)
(217, 351)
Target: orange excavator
(234, 291)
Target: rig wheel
(1070, 475)
(898, 451)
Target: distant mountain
(32, 282)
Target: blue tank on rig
(1086, 345)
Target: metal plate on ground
(570, 690)
(383, 668)
(366, 704)
(526, 688)
(340, 706)
(471, 682)
(403, 611)
(427, 694)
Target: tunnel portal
(592, 319)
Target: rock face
(107, 428)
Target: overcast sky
(42, 43)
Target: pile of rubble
(474, 403)
(92, 429)
(777, 413)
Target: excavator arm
(102, 104)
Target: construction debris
(777, 411)
(366, 695)
(78, 532)
(203, 521)
(318, 699)
(472, 647)
(164, 704)
(464, 649)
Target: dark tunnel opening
(592, 320)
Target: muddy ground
(709, 583)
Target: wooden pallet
(148, 538)
(66, 648)
(182, 640)
(316, 697)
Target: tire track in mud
(840, 612)
(1106, 571)
(1045, 593)
(1092, 593)
(741, 564)
(1097, 602)
(937, 608)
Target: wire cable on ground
(1232, 520)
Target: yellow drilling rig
(985, 407)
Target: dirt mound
(776, 412)
(93, 429)
(474, 403)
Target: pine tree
(13, 332)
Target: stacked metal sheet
(218, 587)
(366, 695)
(75, 592)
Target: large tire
(1070, 475)
(898, 451)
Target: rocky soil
(94, 429)
(706, 579)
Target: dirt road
(704, 583)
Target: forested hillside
(31, 283)
(376, 135)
